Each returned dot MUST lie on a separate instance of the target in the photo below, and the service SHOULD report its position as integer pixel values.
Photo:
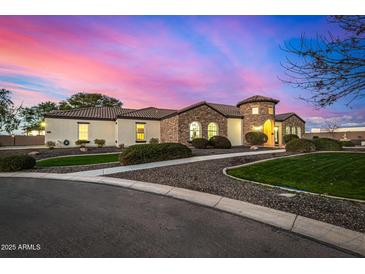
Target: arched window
(195, 130)
(299, 132)
(212, 130)
(293, 131)
(287, 130)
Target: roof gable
(228, 111)
(285, 116)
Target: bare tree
(331, 126)
(329, 67)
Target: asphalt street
(54, 218)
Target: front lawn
(79, 160)
(337, 174)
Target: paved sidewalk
(119, 169)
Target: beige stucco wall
(234, 131)
(67, 129)
(127, 130)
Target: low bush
(200, 143)
(256, 138)
(300, 145)
(99, 142)
(327, 144)
(220, 142)
(287, 138)
(81, 143)
(50, 144)
(154, 141)
(347, 144)
(146, 153)
(16, 163)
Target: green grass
(337, 174)
(79, 160)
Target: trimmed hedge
(300, 145)
(287, 138)
(146, 153)
(256, 138)
(220, 142)
(347, 144)
(200, 143)
(154, 141)
(327, 144)
(16, 163)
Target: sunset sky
(167, 61)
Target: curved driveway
(74, 219)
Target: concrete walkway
(119, 169)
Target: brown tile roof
(225, 110)
(150, 113)
(284, 116)
(257, 98)
(93, 113)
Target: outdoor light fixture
(255, 128)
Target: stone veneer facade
(170, 130)
(293, 121)
(177, 128)
(250, 120)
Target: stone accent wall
(250, 120)
(293, 121)
(204, 115)
(169, 130)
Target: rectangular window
(255, 110)
(84, 132)
(140, 132)
(270, 110)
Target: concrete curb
(288, 188)
(334, 235)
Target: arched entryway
(269, 131)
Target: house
(353, 134)
(132, 126)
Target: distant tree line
(32, 118)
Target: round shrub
(200, 143)
(347, 144)
(287, 138)
(256, 138)
(220, 142)
(16, 163)
(327, 144)
(154, 141)
(300, 145)
(99, 142)
(146, 153)
(81, 142)
(51, 144)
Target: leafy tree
(9, 120)
(84, 100)
(33, 117)
(329, 67)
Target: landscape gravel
(207, 176)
